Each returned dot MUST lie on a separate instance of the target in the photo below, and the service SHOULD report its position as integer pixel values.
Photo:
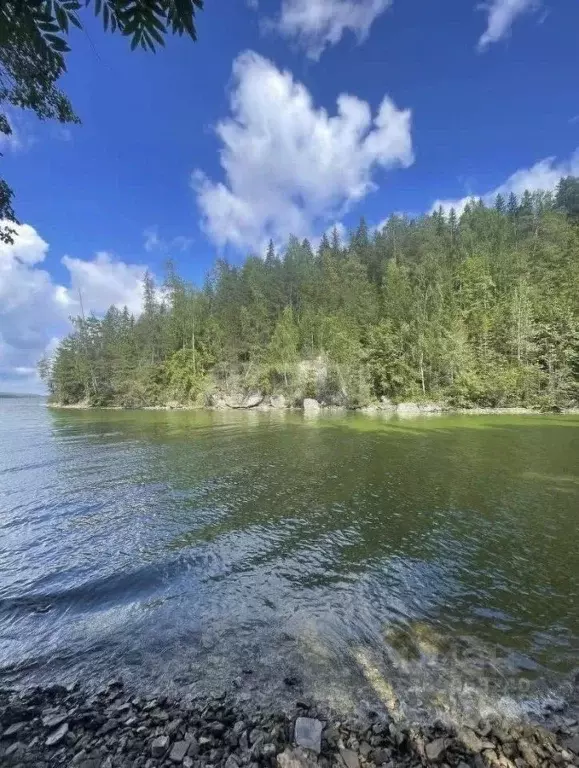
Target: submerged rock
(308, 734)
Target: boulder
(308, 734)
(408, 408)
(311, 405)
(240, 400)
(278, 401)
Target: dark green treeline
(481, 308)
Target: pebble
(179, 751)
(159, 746)
(350, 758)
(13, 730)
(57, 736)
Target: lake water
(432, 563)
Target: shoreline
(404, 410)
(115, 728)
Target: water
(431, 563)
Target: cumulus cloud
(316, 24)
(543, 176)
(501, 15)
(34, 309)
(154, 242)
(289, 166)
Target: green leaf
(62, 18)
(57, 43)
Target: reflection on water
(413, 560)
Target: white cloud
(104, 281)
(154, 242)
(501, 15)
(543, 176)
(34, 309)
(315, 24)
(289, 166)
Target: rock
(381, 756)
(528, 754)
(251, 400)
(57, 736)
(311, 405)
(435, 750)
(13, 730)
(409, 408)
(231, 762)
(53, 721)
(15, 750)
(470, 741)
(278, 401)
(188, 762)
(295, 758)
(179, 751)
(572, 744)
(365, 749)
(349, 758)
(308, 734)
(159, 746)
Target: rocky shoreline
(114, 728)
(310, 406)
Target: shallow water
(430, 562)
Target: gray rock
(435, 750)
(13, 729)
(188, 762)
(349, 758)
(381, 756)
(15, 750)
(57, 736)
(409, 408)
(470, 741)
(295, 758)
(308, 734)
(573, 744)
(159, 746)
(528, 754)
(365, 749)
(243, 401)
(311, 405)
(179, 751)
(278, 401)
(54, 720)
(231, 762)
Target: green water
(432, 561)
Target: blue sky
(286, 115)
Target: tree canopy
(479, 309)
(34, 43)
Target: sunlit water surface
(429, 563)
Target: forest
(479, 308)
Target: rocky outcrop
(60, 726)
(241, 400)
(310, 405)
